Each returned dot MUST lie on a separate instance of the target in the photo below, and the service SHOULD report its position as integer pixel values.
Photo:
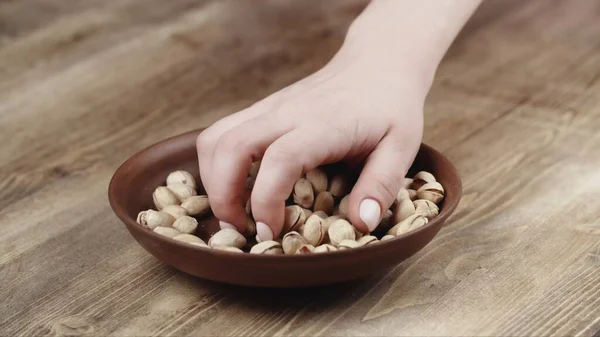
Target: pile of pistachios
(316, 215)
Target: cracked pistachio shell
(344, 206)
(367, 239)
(320, 214)
(433, 192)
(294, 218)
(406, 183)
(197, 205)
(163, 196)
(338, 185)
(422, 178)
(412, 194)
(341, 230)
(186, 224)
(347, 244)
(314, 230)
(324, 248)
(166, 231)
(182, 191)
(254, 169)
(426, 208)
(228, 249)
(175, 211)
(267, 247)
(189, 238)
(292, 241)
(303, 193)
(387, 221)
(250, 228)
(307, 212)
(152, 219)
(403, 210)
(318, 179)
(181, 177)
(402, 195)
(227, 237)
(387, 237)
(324, 202)
(329, 220)
(306, 249)
(411, 223)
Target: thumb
(379, 182)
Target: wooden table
(85, 84)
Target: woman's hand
(366, 105)
(346, 111)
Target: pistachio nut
(228, 249)
(186, 224)
(338, 185)
(347, 244)
(314, 230)
(250, 183)
(422, 178)
(303, 193)
(292, 241)
(248, 208)
(403, 210)
(182, 191)
(197, 205)
(320, 214)
(412, 194)
(307, 212)
(152, 219)
(318, 179)
(344, 207)
(433, 192)
(426, 208)
(227, 237)
(406, 183)
(411, 223)
(175, 211)
(402, 195)
(367, 239)
(163, 196)
(189, 238)
(341, 230)
(387, 237)
(329, 220)
(306, 249)
(181, 177)
(324, 248)
(294, 218)
(250, 228)
(267, 247)
(166, 231)
(199, 244)
(324, 202)
(254, 169)
(387, 221)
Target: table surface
(85, 84)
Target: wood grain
(84, 84)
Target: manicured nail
(224, 225)
(370, 212)
(263, 232)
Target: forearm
(407, 36)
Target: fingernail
(224, 225)
(263, 232)
(370, 212)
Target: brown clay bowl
(130, 192)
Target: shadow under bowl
(130, 192)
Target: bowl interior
(131, 189)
